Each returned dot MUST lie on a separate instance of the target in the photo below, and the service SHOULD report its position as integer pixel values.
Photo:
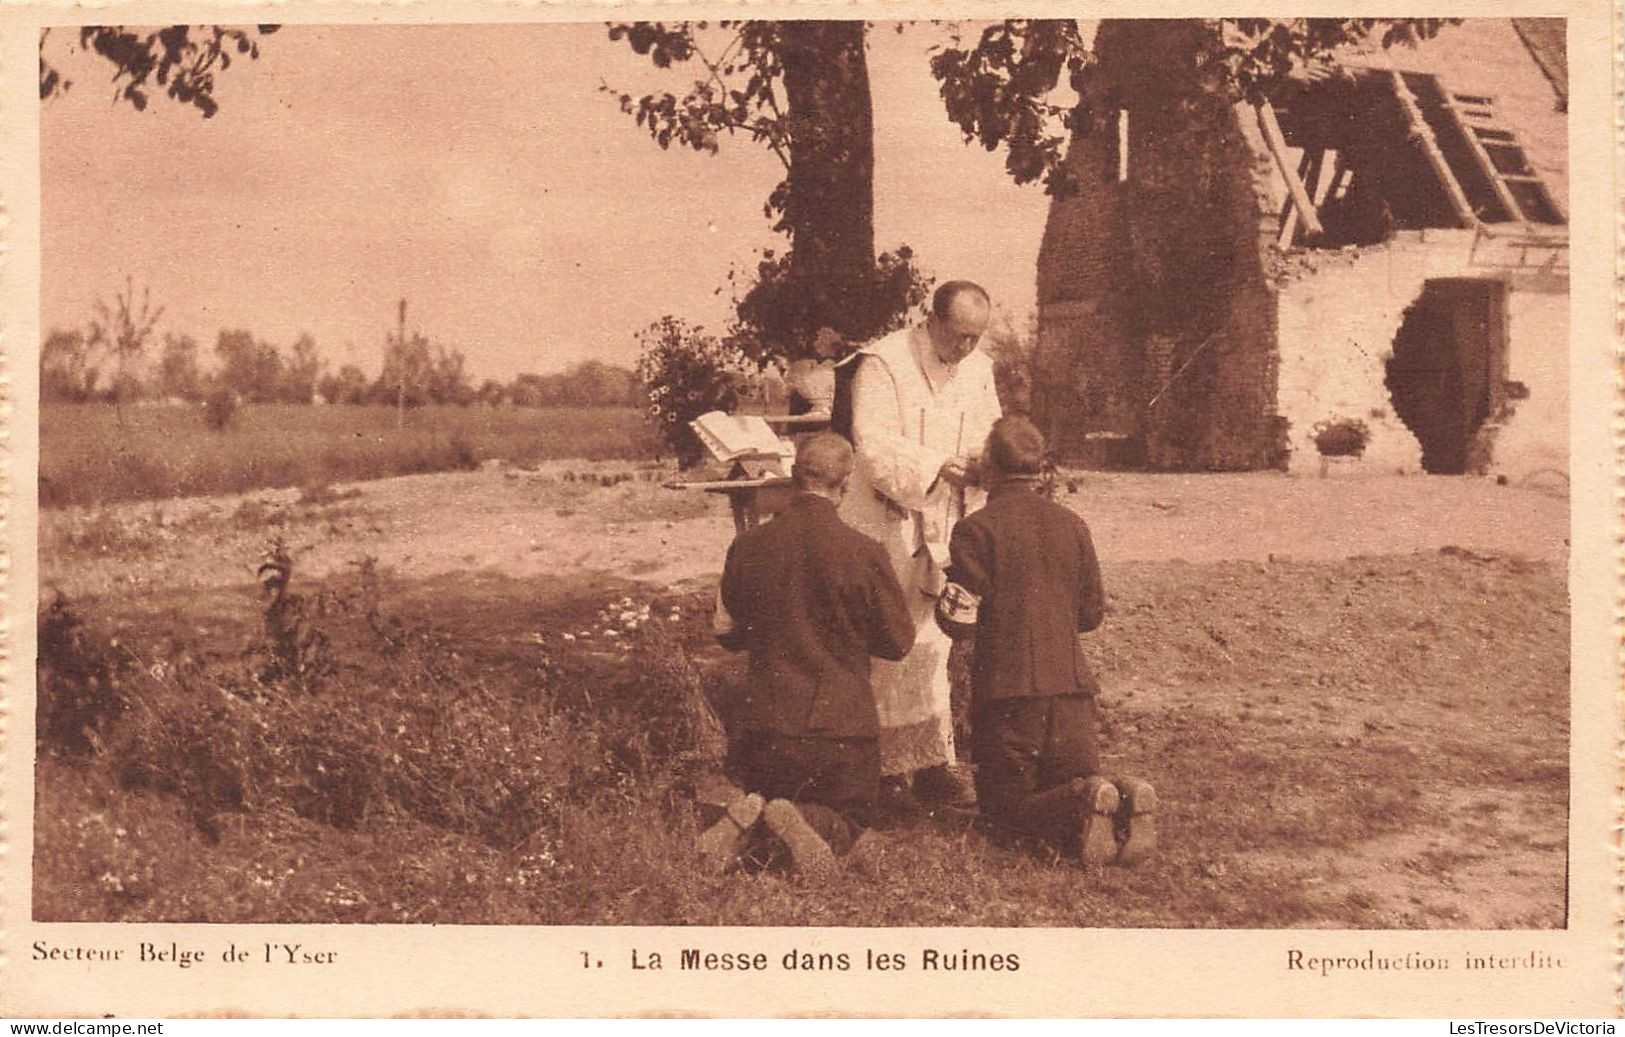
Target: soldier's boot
(1136, 822)
(713, 792)
(722, 843)
(1097, 804)
(809, 853)
(866, 852)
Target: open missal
(737, 437)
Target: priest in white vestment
(923, 402)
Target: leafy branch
(998, 92)
(1002, 90)
(738, 93)
(181, 60)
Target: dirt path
(562, 518)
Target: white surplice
(911, 413)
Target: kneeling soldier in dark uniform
(811, 599)
(1033, 729)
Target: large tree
(1027, 86)
(801, 89)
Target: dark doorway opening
(1447, 374)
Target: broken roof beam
(1423, 135)
(1276, 142)
(1289, 212)
(1486, 164)
(1309, 171)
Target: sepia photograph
(1028, 474)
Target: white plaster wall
(1336, 332)
(1536, 437)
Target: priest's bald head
(960, 312)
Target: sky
(480, 173)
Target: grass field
(1358, 742)
(88, 457)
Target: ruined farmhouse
(1378, 258)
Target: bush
(776, 318)
(402, 733)
(412, 784)
(687, 373)
(673, 718)
(1342, 437)
(80, 679)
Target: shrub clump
(509, 789)
(687, 373)
(675, 723)
(455, 757)
(406, 731)
(81, 676)
(785, 312)
(417, 740)
(1342, 437)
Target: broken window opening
(1447, 374)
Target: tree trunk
(829, 209)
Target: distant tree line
(101, 366)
